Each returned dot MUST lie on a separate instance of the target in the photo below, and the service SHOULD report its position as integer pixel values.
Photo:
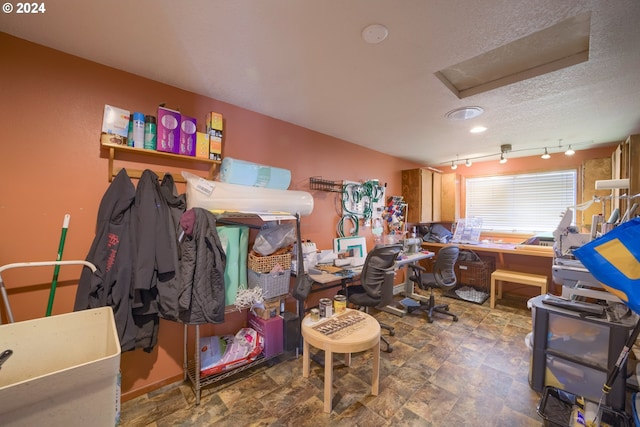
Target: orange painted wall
(51, 110)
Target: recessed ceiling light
(375, 33)
(478, 129)
(464, 113)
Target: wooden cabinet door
(450, 198)
(436, 197)
(417, 192)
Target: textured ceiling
(305, 62)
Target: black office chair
(443, 277)
(376, 283)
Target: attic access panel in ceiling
(556, 47)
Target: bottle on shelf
(150, 132)
(138, 130)
(130, 132)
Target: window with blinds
(523, 203)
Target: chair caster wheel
(392, 333)
(455, 318)
(430, 320)
(390, 350)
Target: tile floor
(473, 372)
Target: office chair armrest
(389, 278)
(417, 267)
(386, 297)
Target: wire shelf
(317, 183)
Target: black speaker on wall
(291, 331)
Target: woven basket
(264, 264)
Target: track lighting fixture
(546, 154)
(504, 148)
(508, 149)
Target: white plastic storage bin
(63, 370)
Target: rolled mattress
(221, 196)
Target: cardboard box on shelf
(188, 126)
(214, 127)
(215, 147)
(271, 309)
(271, 330)
(202, 145)
(115, 121)
(168, 129)
(214, 122)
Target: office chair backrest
(443, 270)
(380, 261)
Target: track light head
(546, 154)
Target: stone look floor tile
(473, 372)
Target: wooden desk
(525, 258)
(329, 280)
(362, 336)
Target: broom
(56, 268)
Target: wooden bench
(499, 276)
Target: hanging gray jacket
(202, 299)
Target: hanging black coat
(111, 252)
(153, 256)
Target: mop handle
(56, 269)
(622, 358)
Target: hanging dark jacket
(202, 299)
(153, 256)
(111, 252)
(170, 283)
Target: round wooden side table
(360, 336)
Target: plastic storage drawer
(580, 379)
(586, 341)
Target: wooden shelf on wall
(114, 149)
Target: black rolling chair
(376, 283)
(443, 277)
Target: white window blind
(523, 203)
